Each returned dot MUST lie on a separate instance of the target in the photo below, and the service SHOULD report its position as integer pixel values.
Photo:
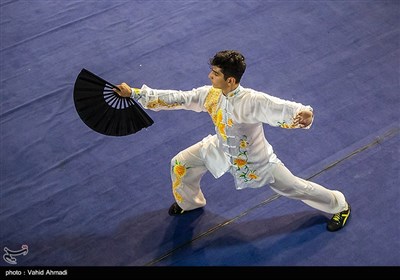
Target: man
(239, 145)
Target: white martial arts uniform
(239, 145)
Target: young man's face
(217, 78)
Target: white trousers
(187, 169)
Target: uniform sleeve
(157, 99)
(261, 107)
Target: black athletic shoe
(338, 220)
(175, 210)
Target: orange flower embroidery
(179, 170)
(252, 176)
(239, 162)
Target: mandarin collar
(233, 93)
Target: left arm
(274, 111)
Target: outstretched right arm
(156, 100)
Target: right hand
(123, 90)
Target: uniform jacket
(239, 145)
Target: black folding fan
(103, 110)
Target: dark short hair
(232, 63)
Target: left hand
(303, 119)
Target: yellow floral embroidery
(160, 103)
(221, 129)
(220, 125)
(179, 170)
(243, 144)
(211, 103)
(252, 176)
(219, 117)
(177, 196)
(176, 183)
(286, 125)
(242, 164)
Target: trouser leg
(187, 169)
(314, 195)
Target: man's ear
(231, 80)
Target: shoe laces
(337, 217)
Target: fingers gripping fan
(103, 110)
